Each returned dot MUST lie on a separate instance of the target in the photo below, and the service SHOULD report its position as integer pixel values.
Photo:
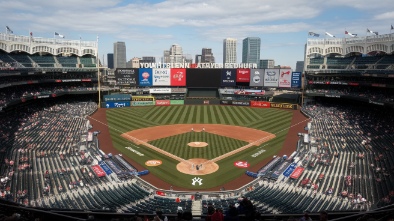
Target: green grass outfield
(274, 121)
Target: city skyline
(150, 27)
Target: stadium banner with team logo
(263, 104)
(271, 77)
(177, 102)
(178, 77)
(256, 77)
(163, 102)
(127, 76)
(296, 80)
(228, 77)
(161, 76)
(285, 78)
(243, 75)
(160, 91)
(110, 104)
(145, 77)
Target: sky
(148, 27)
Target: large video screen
(203, 78)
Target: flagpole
(98, 73)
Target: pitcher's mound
(190, 167)
(197, 144)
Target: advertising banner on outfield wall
(284, 106)
(142, 103)
(117, 97)
(263, 104)
(228, 77)
(271, 77)
(161, 76)
(226, 102)
(285, 78)
(177, 102)
(256, 77)
(145, 77)
(296, 80)
(162, 102)
(178, 77)
(243, 75)
(117, 104)
(241, 103)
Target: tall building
(229, 50)
(166, 56)
(176, 54)
(119, 55)
(267, 63)
(299, 66)
(251, 50)
(148, 59)
(198, 59)
(207, 56)
(110, 60)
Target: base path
(246, 134)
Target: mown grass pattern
(122, 120)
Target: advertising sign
(263, 104)
(142, 98)
(243, 75)
(228, 77)
(296, 80)
(285, 78)
(178, 77)
(161, 77)
(163, 102)
(177, 102)
(284, 106)
(178, 90)
(142, 103)
(256, 77)
(145, 77)
(271, 77)
(241, 103)
(226, 102)
(117, 97)
(160, 90)
(110, 104)
(126, 76)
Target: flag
(392, 27)
(332, 36)
(372, 32)
(10, 31)
(57, 34)
(348, 33)
(313, 34)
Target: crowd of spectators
(17, 92)
(368, 93)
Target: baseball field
(196, 147)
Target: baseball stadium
(82, 142)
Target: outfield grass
(274, 121)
